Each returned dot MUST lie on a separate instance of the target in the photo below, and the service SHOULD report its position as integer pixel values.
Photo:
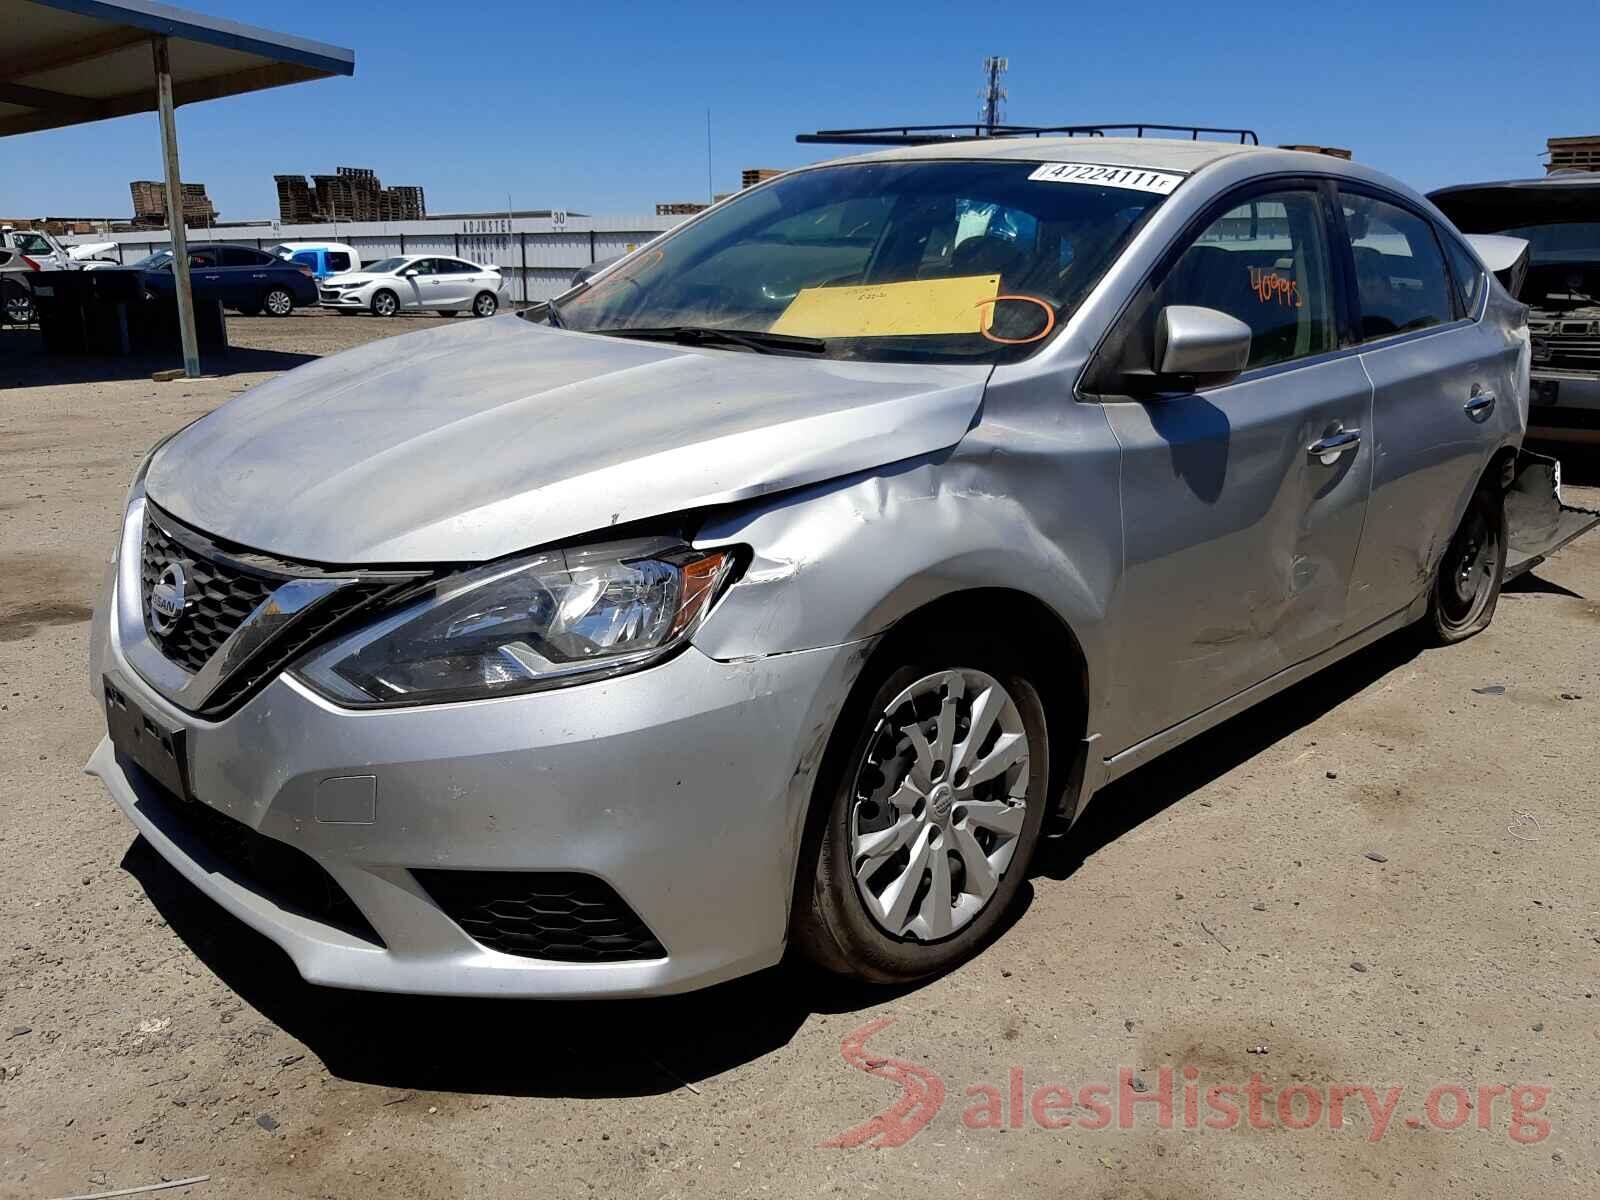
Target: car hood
(355, 278)
(467, 443)
(1518, 203)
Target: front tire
(485, 304)
(278, 302)
(385, 303)
(927, 811)
(19, 307)
(1466, 586)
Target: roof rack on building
(923, 135)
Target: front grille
(329, 293)
(222, 597)
(1572, 351)
(542, 914)
(277, 871)
(224, 585)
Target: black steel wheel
(1466, 586)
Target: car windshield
(153, 262)
(934, 261)
(385, 266)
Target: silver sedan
(782, 582)
(434, 282)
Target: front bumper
(683, 787)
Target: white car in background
(432, 281)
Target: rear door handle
(1481, 404)
(1329, 448)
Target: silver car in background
(430, 282)
(777, 585)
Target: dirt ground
(1384, 878)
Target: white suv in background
(438, 282)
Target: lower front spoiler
(328, 956)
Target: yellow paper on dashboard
(918, 306)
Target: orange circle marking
(1049, 321)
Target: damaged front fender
(849, 559)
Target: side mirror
(409, 273)
(1201, 343)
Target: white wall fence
(536, 255)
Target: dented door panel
(1239, 542)
(1430, 452)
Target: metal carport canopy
(69, 62)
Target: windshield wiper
(707, 335)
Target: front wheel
(929, 805)
(385, 304)
(19, 306)
(278, 302)
(485, 304)
(1466, 587)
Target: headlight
(550, 619)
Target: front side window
(933, 261)
(1266, 263)
(1400, 272)
(32, 243)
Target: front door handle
(1329, 448)
(1480, 405)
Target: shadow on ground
(641, 1047)
(24, 362)
(1142, 794)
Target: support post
(180, 240)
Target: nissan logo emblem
(167, 598)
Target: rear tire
(914, 853)
(1466, 585)
(384, 303)
(485, 304)
(278, 302)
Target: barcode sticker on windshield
(1136, 179)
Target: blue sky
(601, 107)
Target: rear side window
(1400, 270)
(1266, 263)
(1469, 277)
(338, 260)
(238, 256)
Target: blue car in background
(324, 258)
(246, 280)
